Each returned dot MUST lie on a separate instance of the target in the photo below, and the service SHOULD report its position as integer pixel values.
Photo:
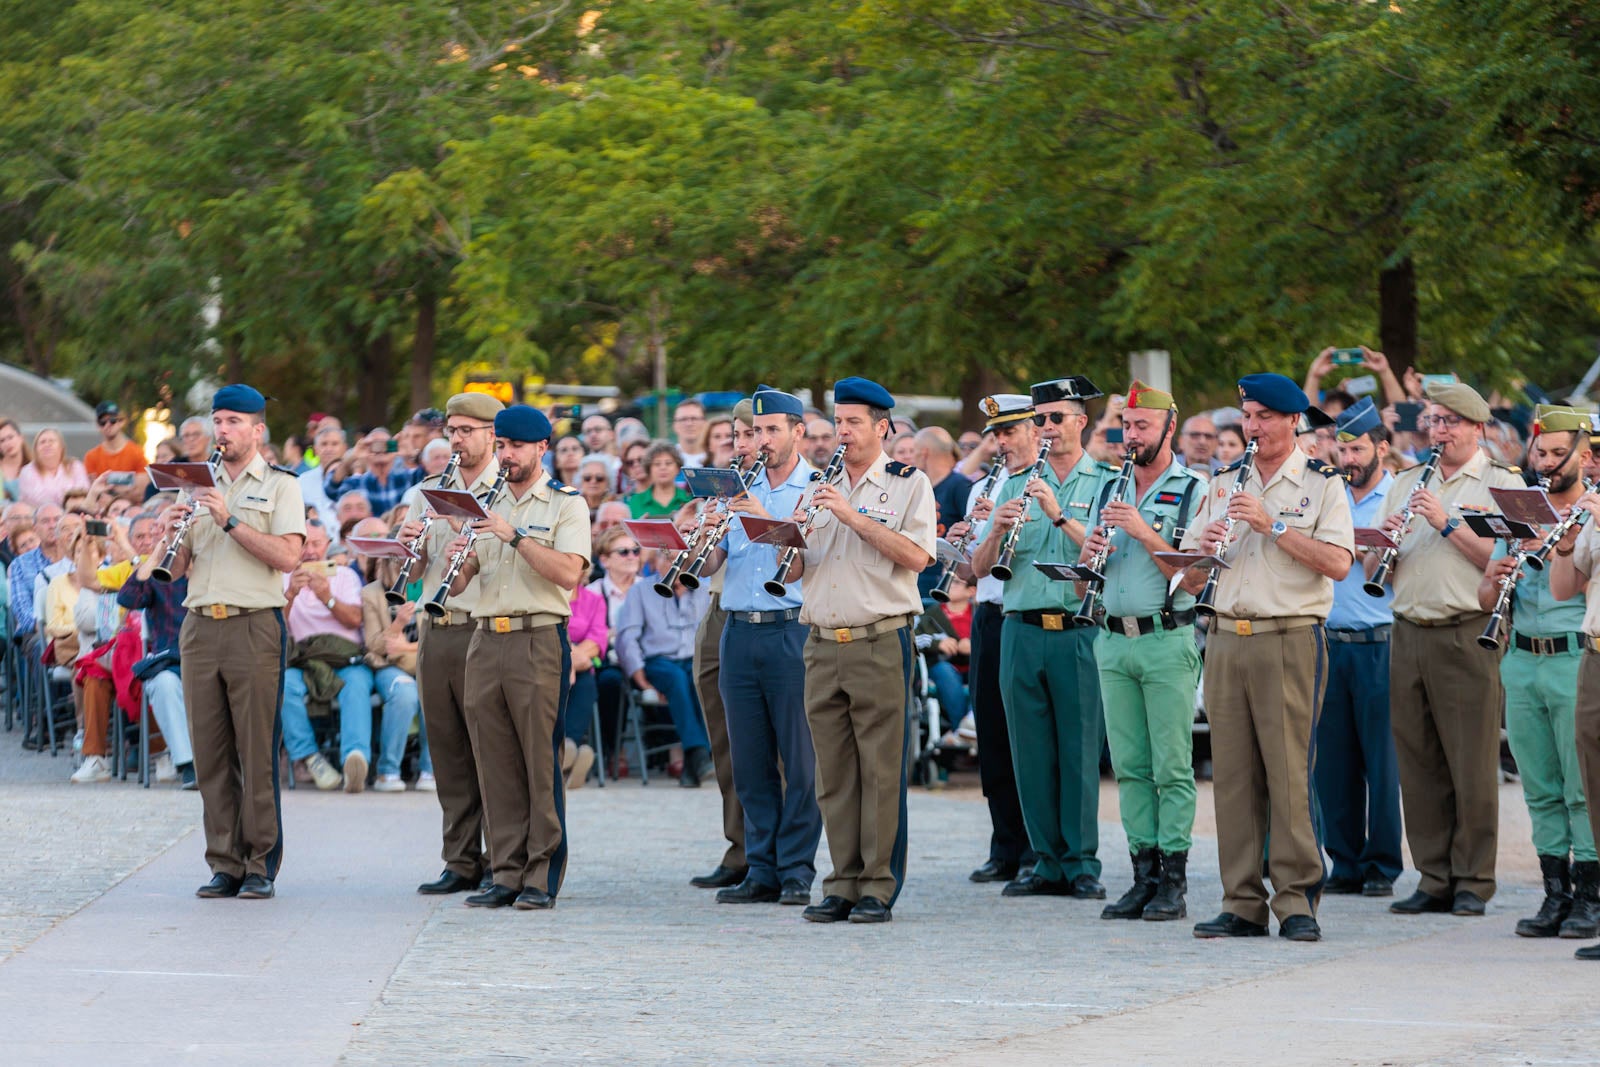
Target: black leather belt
(762, 618)
(1134, 625)
(1372, 635)
(1049, 620)
(1546, 646)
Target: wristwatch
(1059, 521)
(227, 527)
(332, 603)
(1450, 527)
(1279, 528)
(516, 536)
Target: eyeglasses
(634, 551)
(1055, 417)
(1440, 422)
(601, 478)
(462, 431)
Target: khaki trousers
(442, 681)
(707, 672)
(1262, 694)
(1445, 702)
(516, 699)
(232, 694)
(857, 696)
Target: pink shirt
(309, 616)
(40, 489)
(588, 621)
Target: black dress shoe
(748, 892)
(1300, 928)
(1587, 952)
(1470, 904)
(831, 910)
(1031, 885)
(870, 910)
(448, 882)
(1088, 887)
(531, 899)
(256, 887)
(720, 878)
(221, 885)
(1341, 886)
(1418, 903)
(795, 891)
(486, 883)
(1377, 886)
(496, 896)
(1229, 925)
(994, 871)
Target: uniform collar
(1085, 462)
(256, 468)
(875, 473)
(1293, 468)
(798, 478)
(485, 477)
(541, 488)
(1476, 466)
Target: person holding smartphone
(116, 465)
(384, 480)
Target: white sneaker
(94, 769)
(967, 730)
(426, 783)
(355, 772)
(389, 783)
(166, 771)
(323, 776)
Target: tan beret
(480, 406)
(744, 412)
(1462, 399)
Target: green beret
(479, 406)
(1462, 399)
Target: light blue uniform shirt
(1135, 585)
(749, 564)
(1353, 609)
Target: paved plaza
(107, 957)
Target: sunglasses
(1056, 418)
(107, 420)
(625, 551)
(600, 478)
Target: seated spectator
(435, 457)
(655, 638)
(594, 482)
(96, 617)
(944, 636)
(565, 459)
(662, 497)
(194, 439)
(617, 557)
(390, 634)
(719, 441)
(351, 509)
(631, 475)
(15, 516)
(598, 436)
(324, 617)
(14, 455)
(167, 451)
(22, 578)
(611, 514)
(330, 447)
(52, 473)
(631, 429)
(381, 477)
(588, 631)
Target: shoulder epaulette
(898, 469)
(1327, 470)
(563, 487)
(1109, 468)
(283, 470)
(1229, 467)
(1505, 466)
(437, 479)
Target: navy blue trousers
(774, 766)
(1358, 780)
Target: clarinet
(435, 607)
(663, 586)
(162, 572)
(396, 594)
(691, 574)
(1008, 547)
(1090, 610)
(941, 592)
(1374, 585)
(1203, 603)
(1575, 521)
(777, 585)
(1490, 638)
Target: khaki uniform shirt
(556, 518)
(440, 535)
(220, 571)
(1432, 579)
(1263, 581)
(847, 581)
(1586, 557)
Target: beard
(1562, 480)
(1360, 475)
(1146, 455)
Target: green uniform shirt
(1028, 590)
(1134, 584)
(1534, 612)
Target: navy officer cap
(519, 422)
(770, 401)
(1358, 418)
(862, 391)
(239, 397)
(1275, 392)
(1072, 387)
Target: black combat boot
(1557, 899)
(1584, 918)
(1146, 876)
(1168, 902)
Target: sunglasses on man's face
(108, 420)
(1055, 417)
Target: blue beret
(862, 391)
(769, 401)
(519, 422)
(1273, 391)
(240, 398)
(1358, 418)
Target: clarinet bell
(1490, 638)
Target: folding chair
(635, 727)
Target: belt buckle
(1242, 627)
(758, 617)
(1053, 621)
(502, 624)
(843, 635)
(1544, 646)
(218, 611)
(1130, 626)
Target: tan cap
(744, 412)
(474, 406)
(1462, 399)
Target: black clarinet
(941, 592)
(1575, 521)
(1374, 585)
(162, 572)
(1089, 611)
(691, 574)
(435, 607)
(396, 593)
(777, 585)
(1008, 547)
(1203, 603)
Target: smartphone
(1113, 435)
(1348, 357)
(1439, 379)
(97, 528)
(391, 445)
(121, 479)
(1407, 415)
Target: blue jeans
(674, 680)
(401, 708)
(165, 691)
(952, 690)
(355, 713)
(581, 700)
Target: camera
(1348, 357)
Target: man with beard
(1147, 659)
(1358, 785)
(1540, 673)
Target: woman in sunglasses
(594, 482)
(618, 555)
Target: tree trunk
(377, 377)
(422, 350)
(1397, 314)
